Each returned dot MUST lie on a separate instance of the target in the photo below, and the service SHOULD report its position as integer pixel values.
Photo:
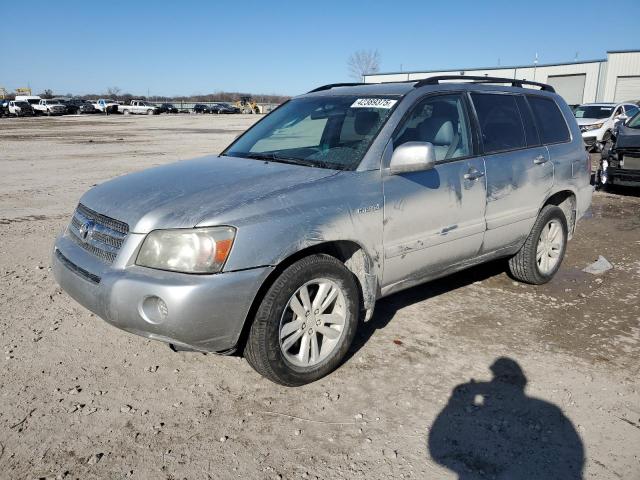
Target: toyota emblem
(86, 229)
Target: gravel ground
(464, 377)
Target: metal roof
(623, 51)
(491, 68)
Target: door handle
(540, 159)
(473, 174)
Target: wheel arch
(566, 200)
(349, 252)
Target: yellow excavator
(247, 105)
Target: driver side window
(442, 121)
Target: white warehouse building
(612, 79)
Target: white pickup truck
(138, 106)
(49, 107)
(105, 105)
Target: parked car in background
(82, 106)
(201, 108)
(106, 105)
(596, 121)
(224, 108)
(279, 246)
(620, 163)
(69, 108)
(167, 108)
(30, 99)
(138, 107)
(20, 109)
(49, 106)
(4, 107)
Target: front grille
(98, 234)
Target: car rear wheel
(541, 255)
(126, 112)
(305, 323)
(149, 112)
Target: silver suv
(280, 245)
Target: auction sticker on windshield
(373, 103)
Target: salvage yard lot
(80, 399)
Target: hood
(181, 194)
(590, 121)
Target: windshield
(593, 111)
(326, 132)
(21, 104)
(634, 122)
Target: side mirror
(412, 157)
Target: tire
(525, 265)
(149, 112)
(126, 112)
(284, 364)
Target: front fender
(345, 207)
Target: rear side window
(500, 123)
(550, 121)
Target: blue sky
(287, 47)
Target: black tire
(523, 265)
(263, 351)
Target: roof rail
(332, 85)
(515, 82)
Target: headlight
(595, 126)
(197, 250)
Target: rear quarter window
(551, 124)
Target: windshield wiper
(273, 157)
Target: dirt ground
(416, 398)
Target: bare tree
(363, 62)
(113, 92)
(48, 93)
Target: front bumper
(591, 137)
(589, 141)
(203, 312)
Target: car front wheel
(305, 323)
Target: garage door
(627, 88)
(569, 87)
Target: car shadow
(387, 307)
(493, 430)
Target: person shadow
(493, 430)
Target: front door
(434, 219)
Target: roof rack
(515, 82)
(332, 85)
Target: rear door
(518, 167)
(556, 136)
(434, 219)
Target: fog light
(154, 310)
